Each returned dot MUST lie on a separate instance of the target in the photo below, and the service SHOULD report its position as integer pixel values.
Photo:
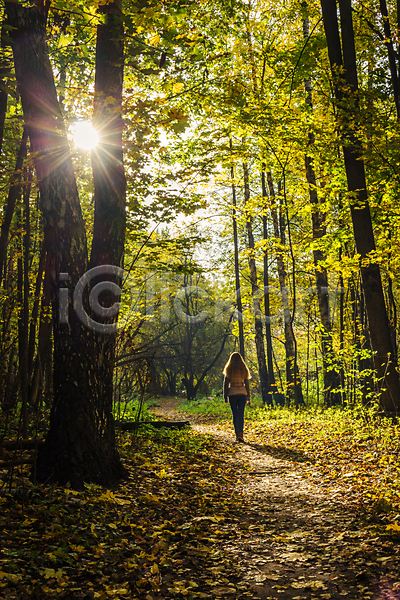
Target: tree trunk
(44, 336)
(388, 41)
(330, 371)
(171, 381)
(268, 336)
(79, 445)
(293, 383)
(236, 254)
(266, 391)
(4, 74)
(109, 195)
(385, 363)
(23, 298)
(13, 195)
(35, 309)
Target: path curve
(296, 542)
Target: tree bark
(294, 391)
(346, 96)
(23, 298)
(109, 194)
(268, 335)
(330, 371)
(78, 446)
(44, 345)
(4, 74)
(236, 255)
(13, 195)
(266, 391)
(388, 41)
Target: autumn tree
(80, 444)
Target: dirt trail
(294, 540)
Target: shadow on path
(281, 452)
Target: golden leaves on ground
(181, 529)
(159, 535)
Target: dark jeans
(237, 407)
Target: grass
(129, 410)
(360, 423)
(182, 440)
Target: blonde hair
(236, 367)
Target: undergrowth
(362, 423)
(133, 410)
(183, 440)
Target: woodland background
(247, 163)
(260, 153)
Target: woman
(237, 390)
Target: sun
(84, 135)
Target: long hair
(236, 367)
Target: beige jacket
(236, 387)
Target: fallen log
(133, 425)
(21, 444)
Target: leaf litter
(202, 517)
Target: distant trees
(185, 340)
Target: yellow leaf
(177, 88)
(394, 527)
(49, 573)
(154, 40)
(108, 496)
(154, 569)
(149, 499)
(51, 556)
(162, 474)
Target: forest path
(294, 540)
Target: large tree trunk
(266, 391)
(109, 195)
(78, 446)
(346, 99)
